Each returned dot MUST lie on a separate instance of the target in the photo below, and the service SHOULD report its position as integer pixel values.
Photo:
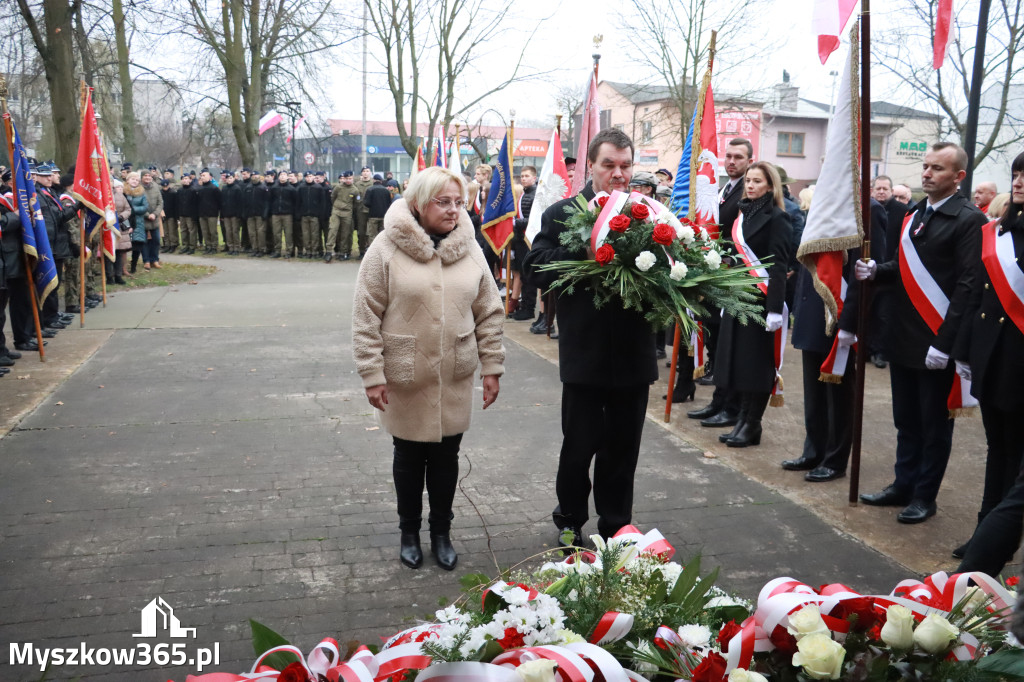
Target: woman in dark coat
(746, 353)
(990, 353)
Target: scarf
(749, 207)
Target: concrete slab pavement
(231, 465)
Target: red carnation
(604, 254)
(513, 639)
(862, 607)
(293, 673)
(1012, 581)
(619, 223)
(640, 211)
(601, 201)
(711, 669)
(663, 234)
(725, 635)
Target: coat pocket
(466, 357)
(399, 358)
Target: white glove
(936, 359)
(862, 270)
(964, 370)
(846, 339)
(773, 322)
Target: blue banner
(681, 190)
(500, 210)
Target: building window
(647, 131)
(876, 146)
(618, 126)
(790, 144)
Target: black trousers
(999, 532)
(828, 413)
(51, 306)
(603, 424)
(924, 431)
(20, 302)
(438, 465)
(752, 406)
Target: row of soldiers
(275, 214)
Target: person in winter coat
(426, 315)
(154, 219)
(115, 272)
(136, 196)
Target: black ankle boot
(749, 434)
(441, 548)
(726, 437)
(410, 553)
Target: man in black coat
(170, 196)
(377, 200)
(828, 407)
(14, 285)
(188, 215)
(232, 210)
(56, 216)
(944, 237)
(724, 408)
(607, 364)
(208, 201)
(282, 215)
(881, 301)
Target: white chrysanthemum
(516, 595)
(686, 233)
(670, 573)
(645, 261)
(451, 614)
(713, 259)
(678, 271)
(695, 636)
(704, 234)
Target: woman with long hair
(990, 353)
(745, 360)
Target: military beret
(192, 173)
(664, 171)
(126, 166)
(165, 183)
(346, 174)
(365, 168)
(321, 174)
(271, 172)
(247, 170)
(169, 170)
(204, 170)
(151, 168)
(378, 176)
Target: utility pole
(974, 104)
(364, 83)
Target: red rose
(711, 669)
(663, 234)
(293, 673)
(1012, 581)
(728, 631)
(861, 607)
(640, 211)
(604, 254)
(783, 641)
(619, 223)
(602, 201)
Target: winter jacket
(140, 207)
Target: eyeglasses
(446, 203)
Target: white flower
(669, 218)
(695, 636)
(742, 675)
(516, 595)
(678, 271)
(705, 236)
(935, 633)
(568, 637)
(807, 621)
(898, 631)
(539, 670)
(820, 657)
(645, 261)
(713, 259)
(670, 573)
(685, 232)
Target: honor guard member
(188, 215)
(377, 200)
(231, 207)
(295, 180)
(209, 210)
(56, 216)
(308, 192)
(14, 292)
(71, 275)
(169, 196)
(343, 204)
(282, 213)
(362, 212)
(257, 212)
(323, 213)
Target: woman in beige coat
(426, 315)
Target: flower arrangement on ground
(651, 262)
(627, 612)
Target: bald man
(984, 193)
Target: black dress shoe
(73, 309)
(961, 551)
(822, 474)
(29, 346)
(49, 333)
(704, 412)
(723, 418)
(660, 353)
(410, 553)
(917, 511)
(13, 354)
(879, 361)
(707, 380)
(569, 539)
(6, 361)
(444, 553)
(328, 258)
(749, 434)
(802, 464)
(887, 497)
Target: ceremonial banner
(552, 186)
(695, 193)
(92, 182)
(440, 147)
(943, 33)
(33, 229)
(420, 163)
(500, 210)
(454, 159)
(588, 129)
(269, 120)
(828, 18)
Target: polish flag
(943, 33)
(269, 120)
(588, 130)
(827, 20)
(294, 130)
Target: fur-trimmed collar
(406, 233)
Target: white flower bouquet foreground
(628, 612)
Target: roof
(639, 94)
(355, 127)
(897, 111)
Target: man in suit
(882, 191)
(931, 279)
(607, 367)
(724, 408)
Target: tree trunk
(125, 78)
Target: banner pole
(676, 341)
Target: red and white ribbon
(612, 208)
(652, 541)
(834, 367)
(1000, 259)
(500, 588)
(699, 350)
(612, 627)
(469, 671)
(571, 666)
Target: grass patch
(169, 274)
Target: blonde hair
(430, 182)
(997, 207)
(773, 178)
(806, 194)
(486, 169)
(134, 174)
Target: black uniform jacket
(208, 199)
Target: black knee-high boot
(749, 431)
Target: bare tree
(450, 35)
(26, 81)
(569, 100)
(670, 40)
(905, 50)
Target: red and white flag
(552, 186)
(588, 130)
(294, 130)
(943, 33)
(92, 182)
(828, 18)
(269, 120)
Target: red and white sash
(699, 350)
(931, 304)
(756, 269)
(1000, 259)
(834, 367)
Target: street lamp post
(295, 109)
